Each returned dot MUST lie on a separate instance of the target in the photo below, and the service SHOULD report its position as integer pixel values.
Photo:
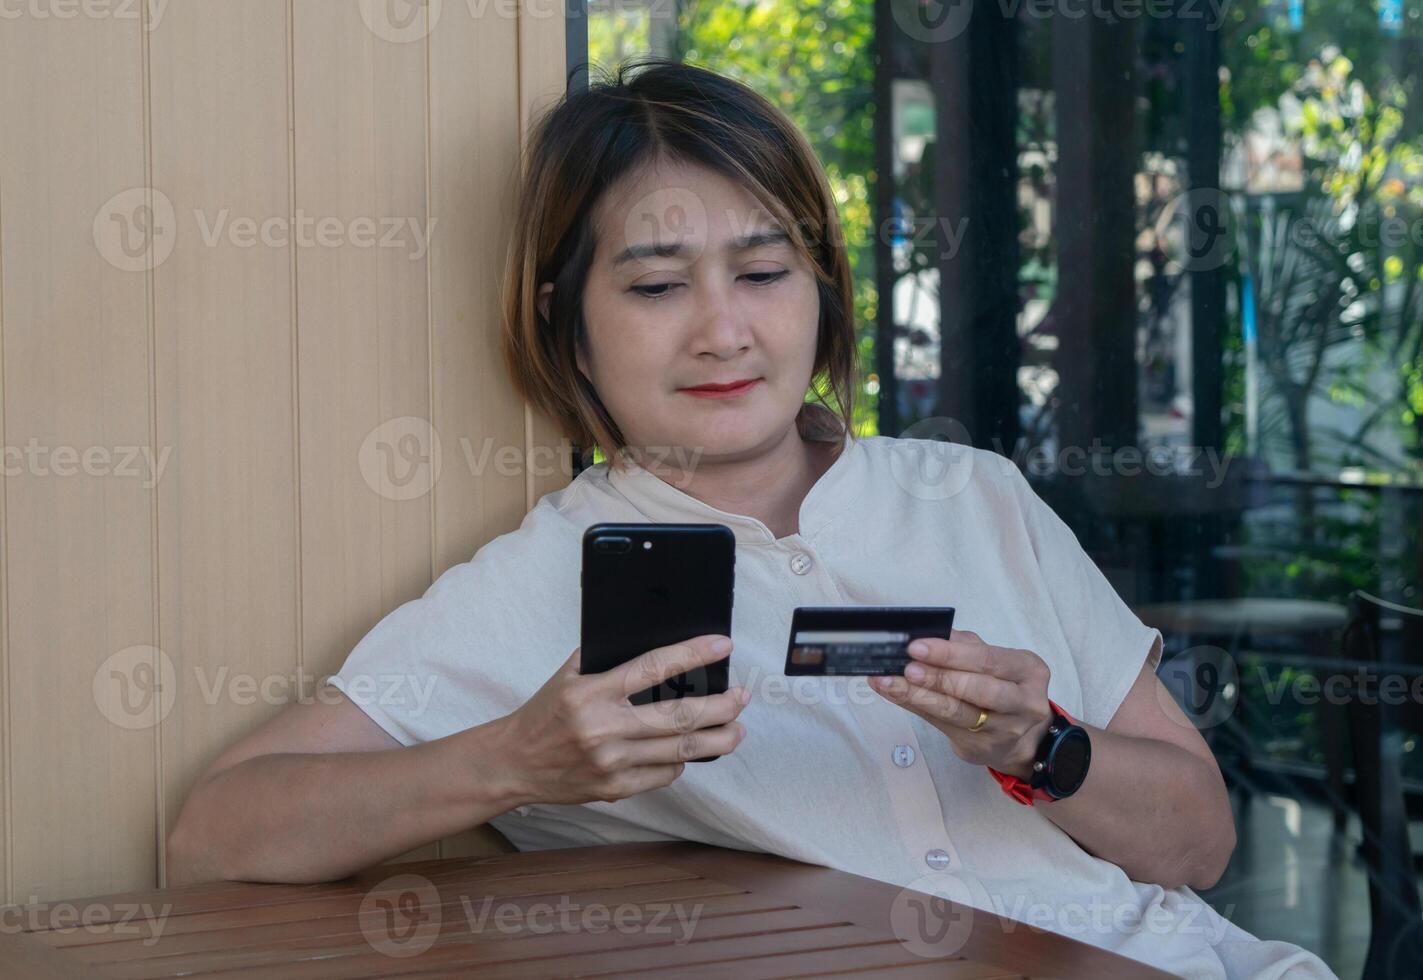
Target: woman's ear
(545, 298)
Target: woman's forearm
(318, 817)
(1153, 808)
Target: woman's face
(725, 298)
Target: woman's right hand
(578, 739)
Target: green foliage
(814, 61)
(1264, 58)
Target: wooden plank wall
(248, 251)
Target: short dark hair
(656, 109)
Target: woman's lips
(740, 389)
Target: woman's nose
(723, 327)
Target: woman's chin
(731, 438)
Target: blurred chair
(1181, 529)
(1385, 640)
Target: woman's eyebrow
(672, 249)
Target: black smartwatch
(1060, 765)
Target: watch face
(1067, 762)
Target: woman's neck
(770, 487)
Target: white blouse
(829, 772)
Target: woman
(676, 284)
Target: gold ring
(982, 720)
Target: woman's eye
(656, 291)
(766, 278)
(662, 289)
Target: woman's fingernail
(918, 648)
(743, 695)
(722, 645)
(914, 672)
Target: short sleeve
(1108, 642)
(486, 635)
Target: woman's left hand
(952, 681)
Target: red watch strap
(1020, 789)
(1058, 708)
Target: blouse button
(800, 563)
(938, 859)
(903, 756)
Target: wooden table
(616, 910)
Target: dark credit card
(860, 640)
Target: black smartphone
(651, 585)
